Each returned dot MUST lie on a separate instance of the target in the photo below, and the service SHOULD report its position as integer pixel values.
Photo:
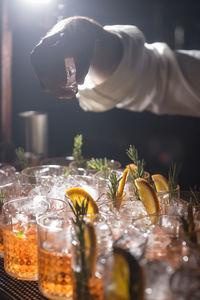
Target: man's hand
(73, 38)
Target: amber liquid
(1, 243)
(55, 274)
(20, 252)
(94, 290)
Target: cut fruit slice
(122, 183)
(148, 196)
(90, 246)
(80, 195)
(121, 189)
(127, 279)
(132, 166)
(161, 183)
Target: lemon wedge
(161, 183)
(80, 195)
(127, 279)
(148, 196)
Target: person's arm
(92, 47)
(149, 77)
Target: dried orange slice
(80, 195)
(127, 278)
(120, 193)
(161, 183)
(148, 196)
(132, 166)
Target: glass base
(22, 277)
(49, 295)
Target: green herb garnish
(77, 151)
(173, 175)
(23, 162)
(82, 277)
(66, 171)
(113, 186)
(99, 164)
(195, 196)
(2, 198)
(139, 172)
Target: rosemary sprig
(195, 196)
(99, 164)
(82, 277)
(113, 186)
(173, 175)
(66, 171)
(23, 162)
(77, 150)
(139, 172)
(2, 197)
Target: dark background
(159, 139)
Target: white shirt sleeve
(147, 78)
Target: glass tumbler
(20, 236)
(54, 255)
(20, 233)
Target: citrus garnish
(127, 280)
(131, 166)
(121, 189)
(90, 246)
(122, 183)
(79, 195)
(148, 196)
(161, 183)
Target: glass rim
(2, 186)
(176, 217)
(54, 215)
(22, 198)
(41, 167)
(169, 192)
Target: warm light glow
(37, 1)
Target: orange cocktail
(20, 252)
(54, 255)
(55, 274)
(20, 236)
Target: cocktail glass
(54, 255)
(20, 234)
(192, 197)
(120, 219)
(43, 174)
(166, 197)
(9, 189)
